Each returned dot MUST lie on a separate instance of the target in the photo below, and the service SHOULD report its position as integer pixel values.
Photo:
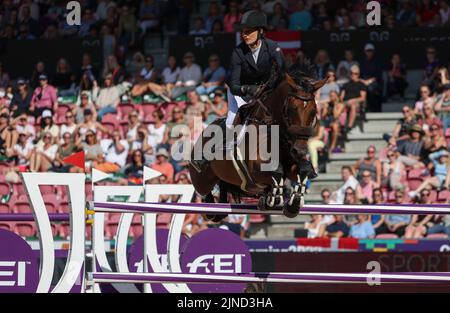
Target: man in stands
(213, 76)
(354, 94)
(396, 223)
(338, 228)
(411, 150)
(401, 131)
(190, 76)
(349, 181)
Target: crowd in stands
(122, 115)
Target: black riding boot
(199, 165)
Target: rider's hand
(249, 90)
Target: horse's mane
(303, 73)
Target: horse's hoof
(215, 218)
(278, 200)
(291, 208)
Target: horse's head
(300, 113)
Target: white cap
(369, 46)
(46, 113)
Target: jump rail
(223, 208)
(357, 278)
(28, 217)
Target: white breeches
(234, 103)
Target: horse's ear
(319, 84)
(290, 80)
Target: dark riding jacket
(244, 71)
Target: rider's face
(249, 35)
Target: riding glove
(249, 90)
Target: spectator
(4, 77)
(403, 127)
(44, 97)
(89, 123)
(365, 188)
(64, 79)
(411, 150)
(24, 33)
(88, 19)
(48, 126)
(330, 86)
(435, 140)
(107, 98)
(162, 164)
(190, 76)
(323, 63)
(142, 143)
(444, 12)
(301, 19)
(396, 77)
(170, 135)
(136, 64)
(406, 16)
(43, 155)
(315, 143)
(331, 113)
(429, 118)
(438, 226)
(69, 126)
(109, 40)
(232, 17)
(127, 25)
(132, 127)
(425, 97)
(393, 171)
(349, 181)
(85, 103)
(371, 74)
(338, 228)
(37, 72)
(199, 27)
(195, 107)
(354, 94)
(157, 129)
(65, 149)
(88, 68)
(362, 229)
(113, 68)
(321, 16)
(443, 106)
(134, 172)
(146, 79)
(371, 164)
(213, 16)
(325, 194)
(417, 228)
(217, 27)
(441, 178)
(213, 76)
(22, 98)
(426, 12)
(22, 126)
(278, 15)
(116, 152)
(103, 7)
(396, 223)
(377, 220)
(6, 134)
(315, 227)
(22, 150)
(216, 108)
(431, 67)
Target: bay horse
(289, 104)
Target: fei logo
(216, 251)
(19, 271)
(221, 263)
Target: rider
(251, 65)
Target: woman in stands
(43, 155)
(377, 220)
(331, 114)
(370, 163)
(93, 152)
(89, 124)
(48, 126)
(419, 224)
(393, 170)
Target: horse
(291, 106)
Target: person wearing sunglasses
(190, 76)
(426, 96)
(353, 94)
(44, 154)
(397, 223)
(371, 164)
(393, 170)
(443, 105)
(420, 222)
(402, 128)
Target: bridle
(296, 132)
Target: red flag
(76, 159)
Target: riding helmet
(253, 19)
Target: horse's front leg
(297, 198)
(274, 196)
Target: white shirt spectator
(107, 96)
(156, 135)
(146, 74)
(67, 129)
(190, 76)
(340, 193)
(169, 76)
(29, 130)
(111, 154)
(21, 151)
(102, 9)
(50, 151)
